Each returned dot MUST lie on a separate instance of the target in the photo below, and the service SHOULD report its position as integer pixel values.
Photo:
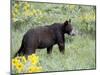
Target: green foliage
(79, 50)
(78, 55)
(27, 13)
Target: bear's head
(68, 27)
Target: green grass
(79, 54)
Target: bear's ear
(66, 23)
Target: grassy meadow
(80, 50)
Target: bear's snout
(73, 33)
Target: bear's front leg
(61, 47)
(61, 41)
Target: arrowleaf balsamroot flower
(15, 61)
(19, 67)
(33, 59)
(23, 59)
(20, 62)
(34, 69)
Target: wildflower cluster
(87, 17)
(24, 10)
(22, 65)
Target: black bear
(45, 37)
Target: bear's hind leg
(49, 50)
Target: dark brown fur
(45, 37)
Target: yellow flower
(20, 61)
(27, 5)
(30, 69)
(16, 10)
(33, 59)
(38, 69)
(16, 5)
(23, 59)
(13, 14)
(34, 12)
(34, 55)
(19, 67)
(25, 8)
(31, 13)
(14, 19)
(34, 69)
(71, 7)
(15, 61)
(27, 13)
